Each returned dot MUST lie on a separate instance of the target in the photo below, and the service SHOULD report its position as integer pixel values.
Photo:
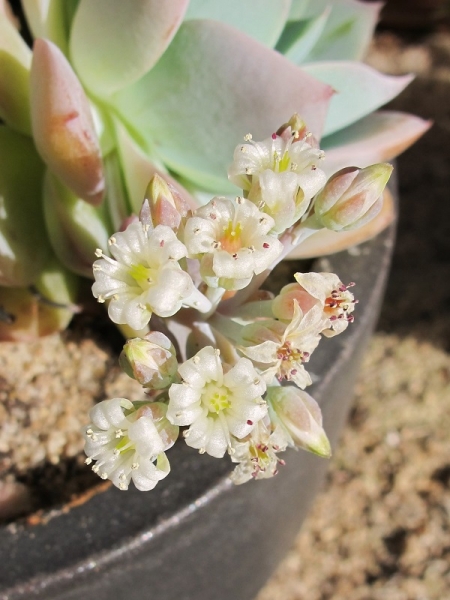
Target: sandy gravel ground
(380, 530)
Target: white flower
(280, 174)
(145, 276)
(300, 418)
(337, 302)
(257, 454)
(126, 442)
(230, 239)
(216, 403)
(280, 350)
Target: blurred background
(381, 528)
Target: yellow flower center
(216, 398)
(144, 276)
(231, 238)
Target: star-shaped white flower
(281, 350)
(280, 174)
(257, 454)
(125, 443)
(219, 403)
(337, 301)
(144, 276)
(231, 240)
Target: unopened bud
(352, 197)
(166, 205)
(150, 360)
(300, 417)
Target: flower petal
(225, 92)
(379, 137)
(63, 126)
(263, 20)
(133, 36)
(360, 90)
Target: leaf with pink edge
(263, 20)
(379, 137)
(63, 126)
(113, 43)
(360, 90)
(212, 85)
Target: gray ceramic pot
(196, 536)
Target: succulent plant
(113, 92)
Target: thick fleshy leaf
(76, 229)
(306, 9)
(29, 314)
(138, 169)
(113, 43)
(360, 90)
(213, 85)
(7, 12)
(116, 198)
(24, 248)
(379, 137)
(326, 241)
(263, 20)
(15, 61)
(63, 127)
(347, 32)
(46, 19)
(299, 37)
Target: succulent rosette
(91, 112)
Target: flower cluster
(214, 359)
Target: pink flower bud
(167, 207)
(352, 197)
(300, 417)
(150, 360)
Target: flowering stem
(226, 326)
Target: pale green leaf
(24, 248)
(76, 228)
(211, 87)
(379, 137)
(348, 31)
(15, 61)
(113, 43)
(360, 90)
(46, 19)
(263, 20)
(299, 37)
(138, 168)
